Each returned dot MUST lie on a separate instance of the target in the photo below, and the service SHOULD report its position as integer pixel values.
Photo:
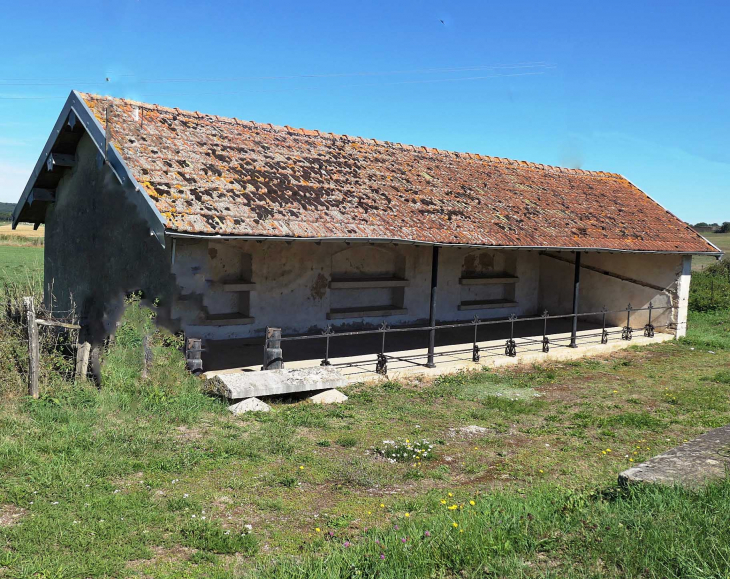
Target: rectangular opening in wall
(488, 281)
(367, 281)
(228, 297)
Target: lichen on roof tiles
(216, 175)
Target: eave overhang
(403, 241)
(75, 120)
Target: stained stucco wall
(598, 290)
(292, 283)
(98, 247)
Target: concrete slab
(275, 382)
(692, 464)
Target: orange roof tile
(214, 175)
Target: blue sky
(637, 88)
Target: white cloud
(12, 181)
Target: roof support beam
(58, 160)
(41, 195)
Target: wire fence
(43, 346)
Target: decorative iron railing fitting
(275, 340)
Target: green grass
(21, 264)
(152, 477)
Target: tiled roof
(215, 175)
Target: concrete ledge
(368, 282)
(485, 280)
(371, 312)
(226, 320)
(486, 304)
(236, 385)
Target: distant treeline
(6, 211)
(713, 227)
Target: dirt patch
(188, 434)
(11, 515)
(162, 555)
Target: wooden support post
(83, 350)
(194, 355)
(432, 308)
(576, 297)
(273, 355)
(33, 347)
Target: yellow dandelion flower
(318, 530)
(451, 494)
(408, 514)
(382, 506)
(301, 468)
(455, 525)
(443, 501)
(541, 471)
(472, 503)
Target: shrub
(710, 288)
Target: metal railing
(273, 352)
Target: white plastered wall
(292, 284)
(653, 278)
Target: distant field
(722, 240)
(21, 265)
(23, 230)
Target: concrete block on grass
(238, 385)
(328, 397)
(249, 405)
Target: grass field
(153, 478)
(22, 230)
(21, 264)
(721, 240)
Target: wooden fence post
(33, 348)
(82, 355)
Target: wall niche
(228, 299)
(367, 281)
(488, 280)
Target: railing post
(511, 347)
(649, 327)
(576, 297)
(273, 356)
(432, 308)
(33, 347)
(627, 332)
(327, 333)
(545, 339)
(604, 332)
(381, 366)
(475, 356)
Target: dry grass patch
(11, 515)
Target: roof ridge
(310, 132)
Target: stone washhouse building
(233, 226)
